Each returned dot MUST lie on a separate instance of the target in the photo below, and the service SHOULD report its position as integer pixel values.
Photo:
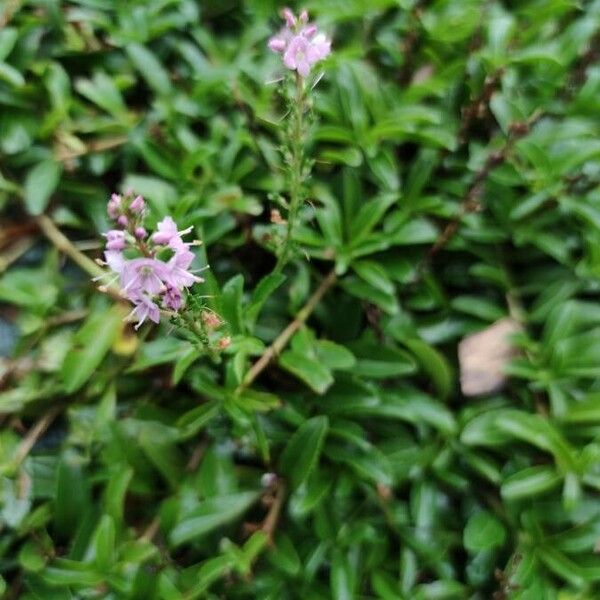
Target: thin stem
(199, 330)
(34, 434)
(64, 245)
(284, 337)
(270, 523)
(296, 143)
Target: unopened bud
(224, 342)
(210, 319)
(276, 217)
(140, 233)
(138, 205)
(122, 221)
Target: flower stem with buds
(296, 169)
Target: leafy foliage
(456, 181)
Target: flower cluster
(152, 270)
(300, 43)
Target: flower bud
(140, 233)
(122, 221)
(224, 342)
(115, 240)
(210, 319)
(114, 206)
(137, 206)
(290, 19)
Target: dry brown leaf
(483, 357)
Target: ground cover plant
(304, 232)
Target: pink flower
(172, 299)
(115, 260)
(301, 55)
(321, 46)
(277, 44)
(143, 276)
(115, 239)
(167, 233)
(138, 205)
(144, 309)
(290, 18)
(114, 206)
(149, 280)
(300, 43)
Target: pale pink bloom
(114, 206)
(138, 205)
(144, 309)
(115, 260)
(115, 239)
(301, 55)
(172, 299)
(321, 45)
(277, 44)
(167, 234)
(149, 281)
(290, 18)
(300, 43)
(143, 276)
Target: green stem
(199, 330)
(296, 143)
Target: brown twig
(472, 199)
(590, 56)
(64, 245)
(66, 154)
(34, 434)
(478, 107)
(9, 11)
(269, 525)
(284, 337)
(151, 530)
(14, 252)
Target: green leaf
(210, 515)
(40, 183)
(530, 482)
(302, 452)
(191, 422)
(104, 543)
(90, 345)
(8, 39)
(266, 286)
(231, 303)
(150, 68)
(435, 365)
(379, 361)
(334, 356)
(315, 374)
(374, 274)
(483, 532)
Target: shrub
(318, 445)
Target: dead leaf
(483, 357)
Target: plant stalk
(296, 144)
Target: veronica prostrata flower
(159, 270)
(300, 43)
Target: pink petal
(304, 68)
(276, 44)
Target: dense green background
(144, 479)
